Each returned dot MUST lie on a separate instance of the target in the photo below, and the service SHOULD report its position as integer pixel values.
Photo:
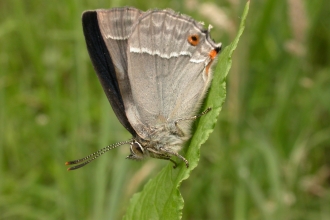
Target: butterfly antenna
(86, 160)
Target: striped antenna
(86, 160)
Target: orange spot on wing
(212, 55)
(193, 39)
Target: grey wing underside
(167, 73)
(161, 76)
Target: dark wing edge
(104, 67)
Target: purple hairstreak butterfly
(154, 68)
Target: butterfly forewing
(102, 29)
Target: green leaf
(161, 198)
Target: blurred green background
(268, 157)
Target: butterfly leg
(180, 132)
(158, 155)
(168, 152)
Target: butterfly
(155, 69)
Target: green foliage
(267, 157)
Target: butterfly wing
(168, 74)
(106, 33)
(147, 64)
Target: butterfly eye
(193, 39)
(137, 149)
